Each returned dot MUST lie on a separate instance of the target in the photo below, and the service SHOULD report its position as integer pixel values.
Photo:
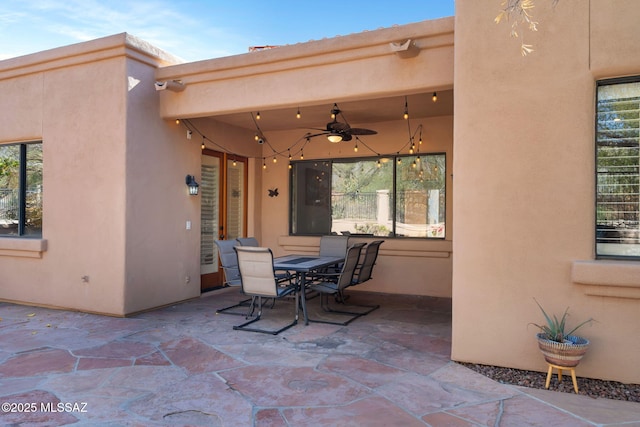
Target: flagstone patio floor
(184, 365)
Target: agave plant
(554, 330)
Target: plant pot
(566, 354)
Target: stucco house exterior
(114, 126)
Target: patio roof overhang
(368, 74)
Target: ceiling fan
(338, 131)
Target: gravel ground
(586, 386)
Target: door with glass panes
(223, 215)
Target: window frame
(599, 84)
(22, 192)
(395, 172)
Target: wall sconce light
(192, 184)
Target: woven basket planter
(567, 354)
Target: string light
(434, 98)
(334, 111)
(406, 109)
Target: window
(21, 190)
(617, 164)
(401, 196)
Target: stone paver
(185, 366)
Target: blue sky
(195, 30)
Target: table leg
(303, 298)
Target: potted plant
(557, 346)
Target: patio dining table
(302, 265)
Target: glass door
(210, 202)
(222, 212)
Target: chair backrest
(349, 266)
(229, 261)
(248, 241)
(256, 271)
(370, 256)
(333, 245)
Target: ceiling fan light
(334, 137)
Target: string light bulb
(335, 111)
(434, 98)
(406, 109)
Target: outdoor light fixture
(172, 85)
(192, 184)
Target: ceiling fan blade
(315, 134)
(361, 131)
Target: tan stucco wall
(358, 66)
(524, 178)
(83, 180)
(115, 201)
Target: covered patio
(184, 365)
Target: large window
(618, 184)
(401, 196)
(21, 190)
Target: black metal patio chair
(258, 280)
